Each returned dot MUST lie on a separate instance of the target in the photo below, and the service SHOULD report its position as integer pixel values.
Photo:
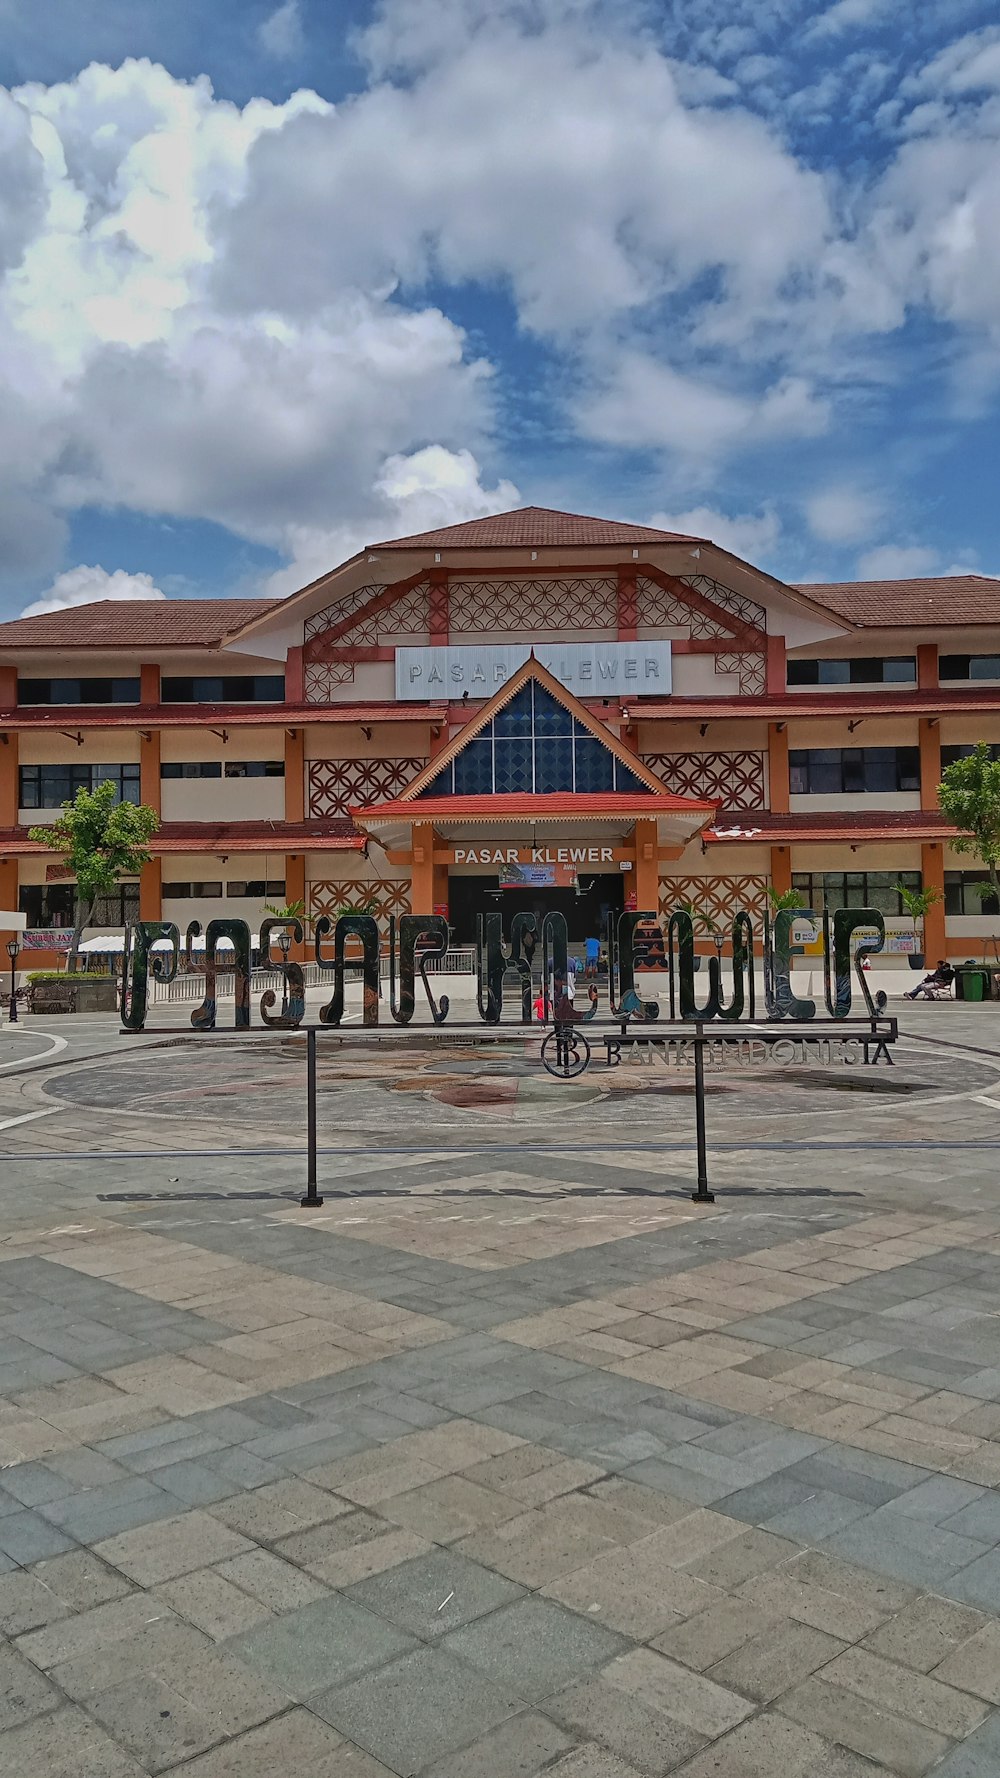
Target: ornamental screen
(534, 747)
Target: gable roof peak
(535, 527)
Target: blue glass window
(534, 747)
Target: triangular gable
(629, 772)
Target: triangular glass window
(534, 746)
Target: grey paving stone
(153, 1722)
(26, 1537)
(926, 1633)
(976, 1757)
(778, 1658)
(977, 1585)
(438, 1705)
(886, 1542)
(82, 1579)
(534, 1647)
(648, 1739)
(842, 1471)
(435, 1593)
(323, 1643)
(296, 1743)
(939, 1500)
(64, 1744)
(871, 1730)
(24, 1691)
(979, 1519)
(521, 1747)
(815, 1518)
(97, 1513)
(161, 1551)
(684, 1484)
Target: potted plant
(917, 903)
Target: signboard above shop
(589, 669)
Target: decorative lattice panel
(387, 896)
(735, 779)
(722, 897)
(570, 604)
(321, 677)
(334, 786)
(658, 609)
(324, 620)
(409, 615)
(750, 669)
(745, 609)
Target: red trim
(69, 717)
(913, 702)
(627, 605)
(222, 836)
(534, 808)
(745, 635)
(765, 827)
(776, 666)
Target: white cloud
(281, 34)
(900, 561)
(848, 15)
(843, 514)
(638, 402)
(753, 536)
(82, 586)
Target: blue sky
(279, 279)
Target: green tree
(100, 840)
(969, 795)
(783, 899)
(918, 903)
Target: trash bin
(971, 984)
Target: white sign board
(590, 669)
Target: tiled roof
(534, 808)
(883, 604)
(134, 623)
(223, 836)
(779, 707)
(166, 716)
(764, 827)
(534, 527)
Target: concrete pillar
(295, 890)
(149, 772)
(777, 768)
(930, 761)
(9, 791)
(151, 890)
(647, 868)
(781, 868)
(295, 775)
(935, 926)
(422, 881)
(927, 666)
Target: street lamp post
(284, 946)
(12, 950)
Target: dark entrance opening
(586, 908)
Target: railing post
(312, 1200)
(702, 1195)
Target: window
(856, 889)
(225, 688)
(48, 787)
(964, 750)
(54, 904)
(969, 666)
(887, 670)
(536, 747)
(960, 895)
(255, 768)
(257, 887)
(192, 891)
(78, 691)
(853, 771)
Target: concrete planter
(73, 994)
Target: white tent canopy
(113, 944)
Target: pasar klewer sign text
(532, 944)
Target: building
(530, 710)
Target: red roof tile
(223, 836)
(884, 604)
(167, 716)
(534, 527)
(131, 623)
(905, 701)
(534, 808)
(764, 827)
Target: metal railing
(190, 985)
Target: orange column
(9, 793)
(930, 761)
(149, 768)
(775, 666)
(935, 925)
(295, 775)
(8, 887)
(647, 868)
(295, 677)
(777, 767)
(151, 890)
(422, 880)
(295, 890)
(149, 683)
(927, 666)
(781, 868)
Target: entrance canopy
(536, 764)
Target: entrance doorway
(586, 908)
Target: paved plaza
(508, 1459)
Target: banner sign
(585, 857)
(46, 938)
(590, 669)
(537, 876)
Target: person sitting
(941, 977)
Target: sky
(279, 280)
